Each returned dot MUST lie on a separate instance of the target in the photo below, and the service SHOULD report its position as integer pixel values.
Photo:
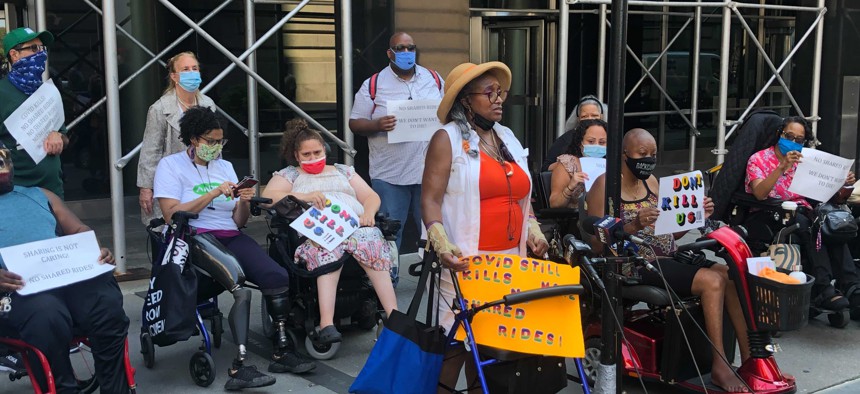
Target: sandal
(830, 299)
(328, 335)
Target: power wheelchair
(356, 303)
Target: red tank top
(501, 213)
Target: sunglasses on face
(793, 137)
(493, 95)
(32, 48)
(402, 48)
(210, 141)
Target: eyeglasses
(493, 95)
(35, 48)
(402, 48)
(210, 141)
(792, 137)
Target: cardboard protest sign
(416, 120)
(819, 175)
(55, 262)
(31, 122)
(681, 202)
(594, 167)
(328, 227)
(549, 326)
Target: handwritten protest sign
(328, 227)
(55, 262)
(549, 326)
(416, 120)
(682, 203)
(819, 175)
(594, 167)
(40, 114)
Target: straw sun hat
(465, 73)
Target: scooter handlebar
(698, 245)
(546, 292)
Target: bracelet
(432, 222)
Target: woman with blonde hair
(161, 135)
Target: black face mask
(482, 122)
(641, 167)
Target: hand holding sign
(681, 203)
(34, 122)
(820, 175)
(594, 167)
(329, 226)
(415, 120)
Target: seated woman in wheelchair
(568, 179)
(308, 178)
(639, 211)
(769, 174)
(47, 320)
(198, 180)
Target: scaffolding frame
(729, 9)
(245, 61)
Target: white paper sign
(328, 227)
(416, 120)
(594, 167)
(820, 175)
(681, 202)
(31, 122)
(756, 264)
(55, 262)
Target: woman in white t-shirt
(198, 180)
(309, 178)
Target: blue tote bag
(408, 353)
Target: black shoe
(328, 335)
(290, 362)
(831, 299)
(12, 363)
(247, 377)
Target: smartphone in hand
(245, 183)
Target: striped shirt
(401, 163)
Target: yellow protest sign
(549, 326)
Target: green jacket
(48, 172)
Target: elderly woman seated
(308, 178)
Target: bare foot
(724, 377)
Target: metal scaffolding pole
(816, 72)
(42, 25)
(601, 53)
(111, 80)
(253, 116)
(346, 72)
(694, 82)
(725, 46)
(260, 80)
(561, 71)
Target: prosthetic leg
(283, 359)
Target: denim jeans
(397, 202)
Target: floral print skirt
(366, 244)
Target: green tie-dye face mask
(208, 152)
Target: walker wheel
(147, 348)
(202, 369)
(319, 351)
(838, 319)
(591, 360)
(217, 330)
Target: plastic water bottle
(797, 273)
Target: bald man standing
(395, 168)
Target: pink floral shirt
(761, 164)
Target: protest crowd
(466, 183)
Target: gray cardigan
(161, 138)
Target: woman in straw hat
(476, 185)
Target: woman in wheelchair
(198, 180)
(568, 179)
(639, 210)
(769, 174)
(308, 178)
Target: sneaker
(11, 363)
(290, 362)
(246, 377)
(329, 335)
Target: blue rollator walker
(486, 356)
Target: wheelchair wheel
(838, 319)
(591, 360)
(147, 348)
(320, 351)
(367, 317)
(84, 369)
(202, 369)
(217, 330)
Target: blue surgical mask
(787, 145)
(594, 151)
(26, 73)
(190, 80)
(404, 60)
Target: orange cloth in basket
(777, 276)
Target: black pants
(832, 261)
(92, 308)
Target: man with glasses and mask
(395, 168)
(26, 52)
